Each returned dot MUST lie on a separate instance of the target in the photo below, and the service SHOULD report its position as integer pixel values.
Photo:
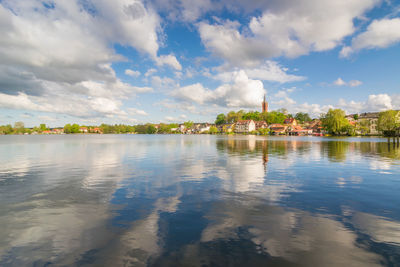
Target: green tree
(43, 127)
(221, 119)
(188, 124)
(233, 116)
(363, 126)
(274, 117)
(302, 117)
(334, 121)
(263, 131)
(387, 122)
(213, 130)
(252, 115)
(150, 129)
(6, 129)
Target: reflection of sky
(136, 199)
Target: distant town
(278, 122)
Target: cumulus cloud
(242, 92)
(169, 60)
(353, 83)
(135, 111)
(286, 28)
(59, 59)
(269, 71)
(132, 73)
(379, 34)
(377, 102)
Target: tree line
(278, 116)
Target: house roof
(244, 122)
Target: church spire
(264, 105)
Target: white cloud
(353, 83)
(339, 82)
(242, 93)
(59, 59)
(286, 28)
(269, 71)
(135, 111)
(379, 34)
(377, 102)
(169, 60)
(150, 72)
(132, 73)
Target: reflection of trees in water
(335, 150)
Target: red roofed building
(277, 128)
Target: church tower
(264, 106)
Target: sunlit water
(173, 200)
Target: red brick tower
(264, 106)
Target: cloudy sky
(132, 61)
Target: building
(277, 128)
(226, 128)
(264, 106)
(291, 121)
(260, 125)
(372, 118)
(245, 126)
(83, 129)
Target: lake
(200, 200)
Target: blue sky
(132, 61)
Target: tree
(43, 127)
(150, 129)
(252, 115)
(302, 117)
(274, 117)
(213, 130)
(188, 124)
(221, 119)
(387, 122)
(6, 129)
(233, 116)
(363, 126)
(334, 121)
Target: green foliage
(6, 129)
(302, 117)
(334, 121)
(274, 117)
(213, 130)
(71, 129)
(387, 122)
(150, 129)
(363, 127)
(252, 115)
(188, 124)
(221, 119)
(43, 127)
(145, 129)
(355, 117)
(233, 116)
(263, 131)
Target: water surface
(175, 200)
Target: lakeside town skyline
(174, 61)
